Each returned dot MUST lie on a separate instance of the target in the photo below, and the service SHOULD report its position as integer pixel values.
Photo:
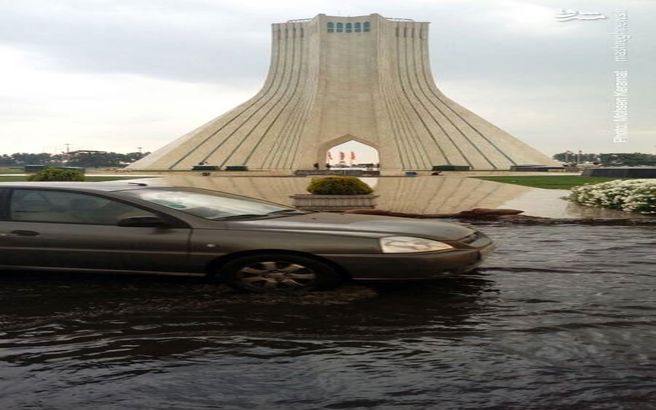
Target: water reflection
(427, 194)
(129, 306)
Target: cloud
(105, 73)
(42, 110)
(136, 38)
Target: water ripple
(560, 317)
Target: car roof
(87, 186)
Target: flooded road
(559, 317)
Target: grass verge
(88, 178)
(548, 182)
(5, 170)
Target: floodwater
(559, 317)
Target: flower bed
(338, 185)
(633, 195)
(336, 193)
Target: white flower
(632, 195)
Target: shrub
(57, 174)
(338, 186)
(632, 195)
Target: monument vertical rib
(335, 79)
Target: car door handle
(24, 233)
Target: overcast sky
(122, 74)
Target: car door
(63, 229)
(5, 252)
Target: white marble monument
(335, 79)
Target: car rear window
(208, 204)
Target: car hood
(347, 223)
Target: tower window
(331, 27)
(365, 26)
(340, 27)
(358, 27)
(349, 27)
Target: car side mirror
(143, 222)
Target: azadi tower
(336, 79)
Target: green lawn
(6, 170)
(548, 182)
(88, 178)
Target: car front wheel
(279, 273)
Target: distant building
(336, 79)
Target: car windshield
(212, 205)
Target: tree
(24, 158)
(84, 159)
(634, 159)
(101, 159)
(569, 157)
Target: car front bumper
(411, 266)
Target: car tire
(274, 272)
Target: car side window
(31, 205)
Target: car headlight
(408, 244)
